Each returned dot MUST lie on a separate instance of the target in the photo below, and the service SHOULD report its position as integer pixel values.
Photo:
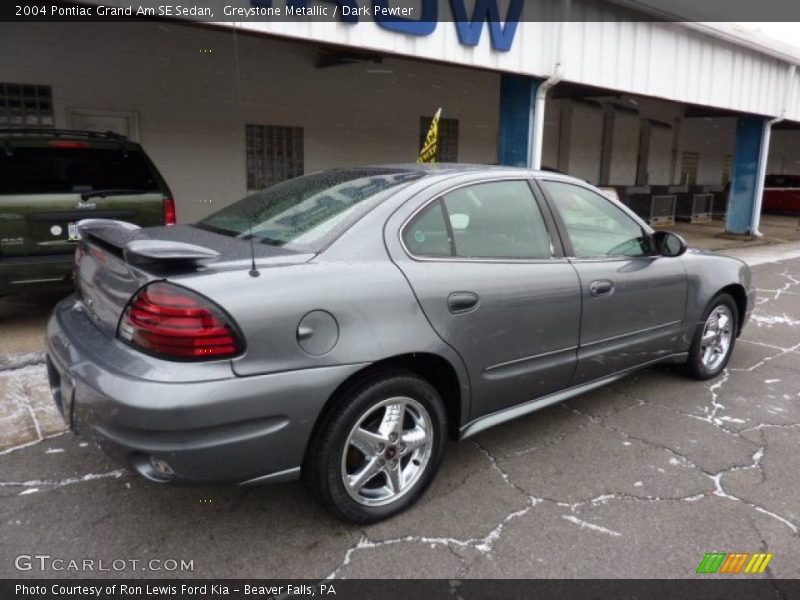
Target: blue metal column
(747, 157)
(517, 97)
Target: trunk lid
(105, 280)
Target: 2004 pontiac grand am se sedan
(342, 325)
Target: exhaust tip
(152, 468)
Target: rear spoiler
(137, 248)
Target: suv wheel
(714, 340)
(379, 449)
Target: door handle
(601, 287)
(459, 302)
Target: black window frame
(563, 233)
(557, 248)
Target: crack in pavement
(711, 411)
(785, 289)
(586, 525)
(762, 426)
(33, 485)
(560, 438)
(493, 462)
(32, 443)
(482, 545)
(764, 344)
(716, 478)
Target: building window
(689, 163)
(24, 105)
(274, 154)
(727, 161)
(447, 145)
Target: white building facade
(227, 107)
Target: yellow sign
(428, 152)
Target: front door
(493, 286)
(633, 301)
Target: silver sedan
(341, 326)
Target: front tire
(714, 340)
(379, 448)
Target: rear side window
(498, 219)
(62, 170)
(427, 234)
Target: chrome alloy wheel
(387, 451)
(717, 337)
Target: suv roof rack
(106, 135)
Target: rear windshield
(307, 213)
(31, 170)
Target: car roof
(433, 169)
(32, 136)
(59, 133)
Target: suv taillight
(172, 322)
(170, 216)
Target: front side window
(595, 226)
(493, 220)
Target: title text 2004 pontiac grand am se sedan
(342, 325)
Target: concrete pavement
(639, 479)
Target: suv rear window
(307, 213)
(49, 170)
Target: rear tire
(714, 339)
(379, 448)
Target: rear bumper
(32, 273)
(230, 429)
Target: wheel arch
(738, 293)
(435, 369)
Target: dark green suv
(50, 180)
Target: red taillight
(170, 216)
(67, 144)
(172, 322)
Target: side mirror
(668, 243)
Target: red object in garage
(782, 194)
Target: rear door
(47, 185)
(633, 300)
(496, 288)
